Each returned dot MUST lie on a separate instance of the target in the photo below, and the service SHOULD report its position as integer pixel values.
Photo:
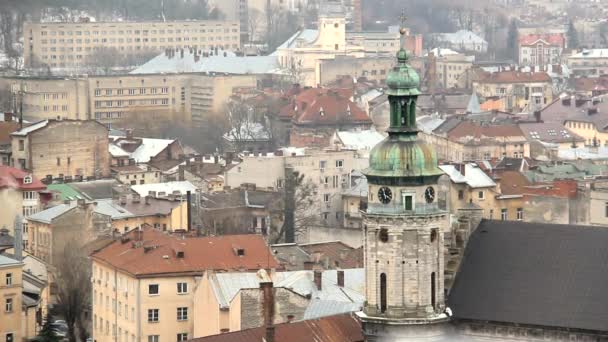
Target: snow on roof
(226, 285)
(26, 130)
(5, 261)
(583, 153)
(591, 53)
(307, 35)
(167, 188)
(149, 148)
(46, 216)
(438, 52)
(360, 140)
(428, 123)
(473, 175)
(462, 36)
(230, 64)
(109, 208)
(116, 151)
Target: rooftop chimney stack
(318, 277)
(8, 117)
(268, 306)
(18, 244)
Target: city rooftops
(149, 252)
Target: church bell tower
(403, 225)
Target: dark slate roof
(534, 274)
(98, 189)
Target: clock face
(385, 195)
(429, 194)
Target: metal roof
(473, 176)
(534, 274)
(6, 261)
(48, 215)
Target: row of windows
(108, 115)
(154, 289)
(54, 96)
(124, 103)
(137, 40)
(131, 91)
(144, 32)
(504, 214)
(98, 325)
(154, 314)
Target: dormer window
(27, 180)
(348, 110)
(321, 111)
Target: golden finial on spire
(403, 18)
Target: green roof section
(66, 192)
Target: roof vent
(165, 257)
(239, 251)
(180, 254)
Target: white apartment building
(73, 44)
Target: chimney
(537, 115)
(129, 134)
(18, 244)
(189, 209)
(308, 265)
(566, 101)
(81, 203)
(147, 199)
(318, 277)
(181, 172)
(268, 308)
(139, 234)
(152, 193)
(340, 276)
(136, 198)
(8, 117)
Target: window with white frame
(182, 337)
(152, 315)
(182, 288)
(182, 314)
(520, 214)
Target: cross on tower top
(402, 18)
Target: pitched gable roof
(155, 253)
(534, 274)
(549, 38)
(11, 177)
(319, 106)
(343, 328)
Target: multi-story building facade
(138, 298)
(593, 62)
(329, 171)
(541, 49)
(21, 194)
(66, 148)
(75, 44)
(521, 91)
(11, 287)
(449, 66)
(142, 101)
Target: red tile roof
(11, 177)
(320, 106)
(514, 77)
(155, 253)
(339, 328)
(551, 38)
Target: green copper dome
(403, 79)
(403, 156)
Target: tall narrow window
(433, 294)
(383, 292)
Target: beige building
(303, 52)
(522, 91)
(11, 287)
(148, 286)
(329, 171)
(450, 66)
(76, 44)
(143, 101)
(58, 149)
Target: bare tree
(104, 60)
(298, 204)
(246, 125)
(254, 21)
(72, 276)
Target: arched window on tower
(383, 292)
(433, 294)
